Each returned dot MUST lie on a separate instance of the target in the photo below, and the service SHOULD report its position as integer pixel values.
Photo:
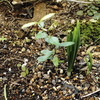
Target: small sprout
(89, 62)
(19, 65)
(5, 93)
(2, 39)
(23, 74)
(55, 61)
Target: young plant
(73, 49)
(2, 39)
(51, 54)
(89, 62)
(47, 54)
(24, 69)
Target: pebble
(53, 82)
(58, 87)
(86, 88)
(61, 71)
(46, 76)
(79, 87)
(64, 92)
(54, 88)
(10, 69)
(23, 49)
(39, 74)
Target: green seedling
(5, 93)
(2, 39)
(73, 49)
(89, 62)
(24, 69)
(51, 54)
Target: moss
(90, 32)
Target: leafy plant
(3, 38)
(47, 54)
(24, 69)
(73, 49)
(51, 54)
(90, 10)
(89, 62)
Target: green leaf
(80, 12)
(41, 24)
(23, 68)
(42, 58)
(41, 35)
(47, 16)
(66, 44)
(28, 25)
(52, 40)
(27, 71)
(47, 52)
(96, 16)
(55, 61)
(19, 65)
(73, 49)
(23, 74)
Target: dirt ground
(44, 81)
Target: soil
(43, 81)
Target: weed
(2, 39)
(89, 62)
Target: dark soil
(44, 81)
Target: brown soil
(44, 81)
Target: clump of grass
(72, 50)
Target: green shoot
(89, 63)
(73, 49)
(5, 93)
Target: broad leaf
(66, 44)
(41, 35)
(42, 58)
(55, 61)
(41, 24)
(47, 52)
(52, 40)
(23, 74)
(23, 68)
(28, 25)
(47, 16)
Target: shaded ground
(44, 81)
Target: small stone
(39, 74)
(28, 91)
(53, 82)
(86, 88)
(46, 76)
(61, 71)
(40, 67)
(58, 87)
(45, 97)
(23, 49)
(54, 88)
(64, 92)
(79, 87)
(58, 51)
(10, 69)
(83, 53)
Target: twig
(90, 94)
(9, 59)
